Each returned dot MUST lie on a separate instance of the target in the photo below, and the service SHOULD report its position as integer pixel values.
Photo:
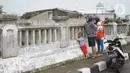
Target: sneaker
(87, 56)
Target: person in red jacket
(100, 34)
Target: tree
(1, 9)
(107, 20)
(115, 16)
(118, 20)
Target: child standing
(82, 44)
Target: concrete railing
(47, 34)
(37, 35)
(37, 22)
(109, 29)
(71, 21)
(74, 30)
(28, 36)
(121, 29)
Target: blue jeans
(100, 44)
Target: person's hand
(76, 38)
(95, 32)
(103, 38)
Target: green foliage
(108, 21)
(118, 20)
(1, 9)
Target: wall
(9, 44)
(46, 35)
(42, 16)
(58, 12)
(50, 34)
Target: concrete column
(72, 33)
(55, 34)
(76, 32)
(9, 42)
(45, 38)
(127, 29)
(111, 30)
(79, 29)
(39, 40)
(20, 38)
(69, 34)
(115, 29)
(83, 31)
(27, 37)
(50, 35)
(33, 37)
(58, 35)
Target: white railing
(46, 34)
(37, 22)
(37, 35)
(32, 35)
(52, 22)
(76, 21)
(121, 29)
(74, 30)
(109, 29)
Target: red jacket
(101, 34)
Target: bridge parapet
(52, 35)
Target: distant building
(109, 15)
(100, 8)
(102, 12)
(51, 14)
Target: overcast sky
(21, 6)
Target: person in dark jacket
(91, 33)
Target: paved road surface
(124, 69)
(80, 64)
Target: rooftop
(65, 10)
(28, 15)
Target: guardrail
(25, 36)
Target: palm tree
(1, 9)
